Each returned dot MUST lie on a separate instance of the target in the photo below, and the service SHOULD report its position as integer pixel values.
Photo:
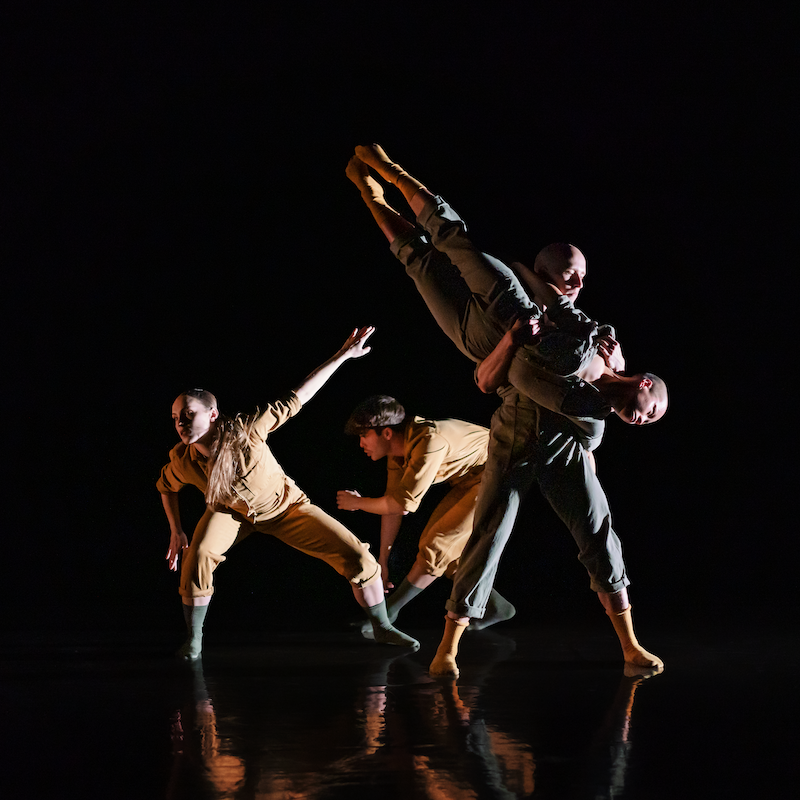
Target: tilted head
(648, 400)
(564, 266)
(194, 413)
(376, 421)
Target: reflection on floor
(536, 713)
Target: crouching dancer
(246, 490)
(419, 453)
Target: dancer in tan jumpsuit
(420, 453)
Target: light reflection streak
(392, 727)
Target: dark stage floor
(536, 712)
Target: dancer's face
(374, 444)
(646, 405)
(567, 274)
(193, 420)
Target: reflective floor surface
(537, 712)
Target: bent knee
(366, 574)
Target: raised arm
(354, 347)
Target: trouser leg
(309, 529)
(506, 480)
(215, 534)
(496, 288)
(569, 484)
(440, 544)
(441, 287)
(497, 512)
(449, 528)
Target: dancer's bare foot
(642, 673)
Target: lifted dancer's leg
(389, 221)
(415, 193)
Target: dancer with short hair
(420, 453)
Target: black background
(175, 213)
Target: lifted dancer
(246, 490)
(476, 300)
(420, 453)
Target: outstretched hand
(356, 346)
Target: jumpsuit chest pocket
(261, 491)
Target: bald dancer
(480, 303)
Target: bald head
(646, 399)
(564, 266)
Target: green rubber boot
(192, 648)
(384, 632)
